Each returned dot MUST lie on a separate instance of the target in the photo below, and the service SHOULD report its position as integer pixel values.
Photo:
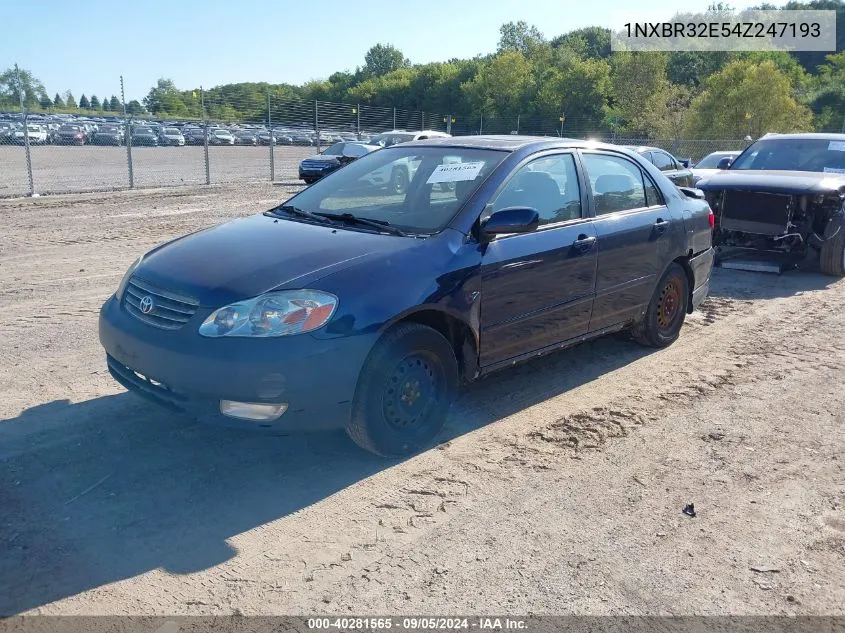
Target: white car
(221, 137)
(397, 175)
(171, 136)
(37, 135)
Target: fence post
(394, 118)
(358, 120)
(25, 133)
(205, 137)
(317, 124)
(272, 141)
(127, 120)
(481, 124)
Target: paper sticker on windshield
(834, 170)
(455, 172)
(837, 146)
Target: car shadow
(740, 284)
(103, 490)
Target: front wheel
(832, 256)
(666, 311)
(404, 392)
(399, 181)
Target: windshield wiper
(381, 225)
(292, 210)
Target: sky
(86, 47)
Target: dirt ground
(557, 487)
(63, 169)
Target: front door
(537, 288)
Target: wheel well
(683, 262)
(458, 334)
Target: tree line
(571, 83)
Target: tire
(404, 391)
(832, 256)
(399, 181)
(666, 311)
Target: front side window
(549, 185)
(616, 183)
(417, 189)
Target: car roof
(645, 148)
(807, 136)
(509, 142)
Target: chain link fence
(54, 152)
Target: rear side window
(616, 183)
(662, 161)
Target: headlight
(122, 287)
(272, 314)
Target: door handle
(661, 225)
(584, 242)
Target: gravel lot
(61, 169)
(557, 487)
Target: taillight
(712, 220)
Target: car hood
(249, 256)
(321, 157)
(794, 182)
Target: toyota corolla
(352, 305)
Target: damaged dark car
(781, 204)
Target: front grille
(170, 310)
(144, 385)
(313, 164)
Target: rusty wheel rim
(669, 304)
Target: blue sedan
(354, 305)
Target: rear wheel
(404, 392)
(666, 311)
(832, 257)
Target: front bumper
(183, 371)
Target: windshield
(171, 130)
(334, 150)
(143, 130)
(244, 134)
(221, 133)
(711, 161)
(790, 154)
(69, 128)
(417, 189)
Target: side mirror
(691, 192)
(511, 220)
(724, 163)
(685, 162)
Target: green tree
(382, 59)
(84, 104)
(590, 42)
(503, 87)
(134, 107)
(45, 102)
(747, 98)
(70, 102)
(33, 89)
(640, 91)
(578, 89)
(95, 102)
(114, 104)
(691, 68)
(827, 99)
(519, 36)
(58, 102)
(165, 97)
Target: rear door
(537, 288)
(634, 230)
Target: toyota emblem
(146, 305)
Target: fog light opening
(252, 410)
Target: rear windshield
(790, 154)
